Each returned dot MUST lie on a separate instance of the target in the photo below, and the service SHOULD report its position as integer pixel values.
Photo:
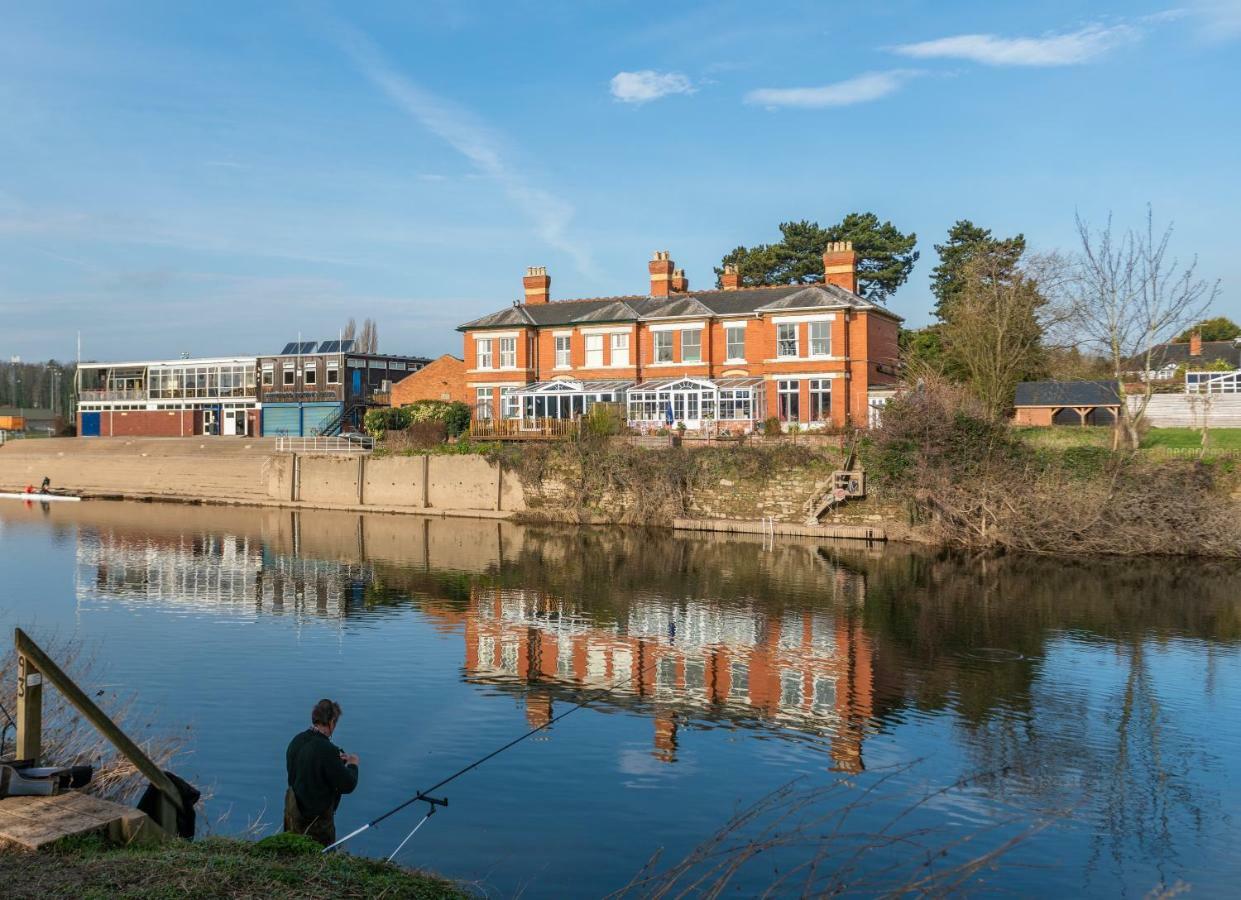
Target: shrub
(455, 416)
(386, 418)
(604, 420)
(772, 426)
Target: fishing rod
(439, 801)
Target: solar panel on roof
(329, 347)
(346, 346)
(290, 347)
(308, 346)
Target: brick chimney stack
(1195, 344)
(661, 267)
(840, 265)
(680, 284)
(538, 285)
(731, 279)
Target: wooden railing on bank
(33, 666)
(524, 429)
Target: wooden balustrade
(524, 429)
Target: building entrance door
(209, 421)
(230, 422)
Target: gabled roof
(1067, 393)
(1177, 354)
(746, 301)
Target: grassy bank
(283, 866)
(1154, 439)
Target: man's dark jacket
(316, 773)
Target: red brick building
(443, 379)
(816, 355)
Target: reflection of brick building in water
(807, 669)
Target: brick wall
(443, 379)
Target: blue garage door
(321, 418)
(281, 420)
(90, 424)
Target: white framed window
(786, 339)
(483, 403)
(691, 346)
(269, 376)
(734, 341)
(820, 338)
(663, 346)
(508, 353)
(333, 373)
(290, 376)
(620, 349)
(510, 404)
(594, 351)
(485, 359)
(564, 344)
(789, 395)
(820, 399)
(310, 374)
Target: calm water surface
(1093, 710)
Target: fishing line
(434, 801)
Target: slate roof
(1176, 354)
(704, 304)
(1068, 393)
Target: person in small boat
(319, 773)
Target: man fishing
(319, 773)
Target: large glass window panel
(820, 400)
(620, 349)
(734, 339)
(594, 351)
(788, 395)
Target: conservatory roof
(565, 386)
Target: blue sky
(219, 177)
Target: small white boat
(40, 498)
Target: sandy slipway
(283, 866)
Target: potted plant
(679, 436)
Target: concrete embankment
(252, 472)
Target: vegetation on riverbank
(973, 481)
(282, 866)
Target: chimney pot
(731, 279)
(661, 268)
(537, 285)
(1195, 344)
(680, 284)
(840, 265)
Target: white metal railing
(112, 395)
(1213, 382)
(325, 444)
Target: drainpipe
(848, 374)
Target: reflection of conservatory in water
(694, 401)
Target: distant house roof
(745, 301)
(1067, 393)
(1173, 355)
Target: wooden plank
(34, 822)
(96, 716)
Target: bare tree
(368, 337)
(351, 330)
(996, 324)
(1131, 296)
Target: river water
(1069, 726)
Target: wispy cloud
(473, 139)
(1220, 19)
(647, 85)
(860, 89)
(1065, 49)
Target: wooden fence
(525, 429)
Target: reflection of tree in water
(1113, 756)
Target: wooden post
(29, 709)
(31, 656)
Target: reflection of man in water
(319, 773)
